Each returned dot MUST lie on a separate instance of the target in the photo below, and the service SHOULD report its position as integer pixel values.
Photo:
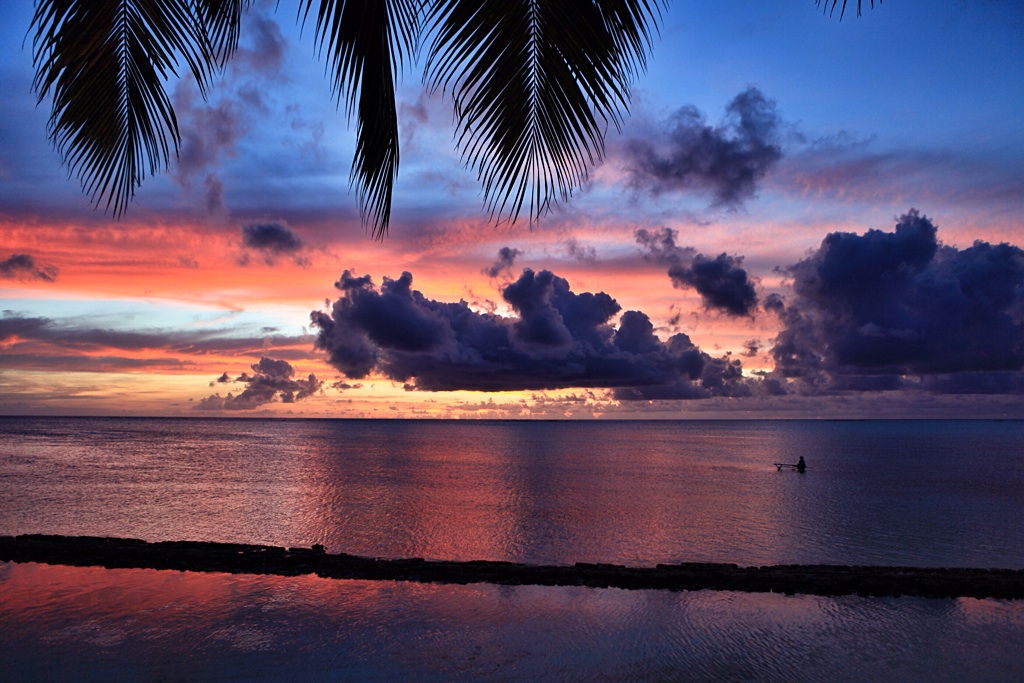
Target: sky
(800, 217)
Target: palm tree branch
(842, 10)
(366, 44)
(105, 63)
(222, 20)
(535, 84)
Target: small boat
(796, 467)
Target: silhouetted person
(801, 465)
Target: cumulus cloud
(506, 259)
(888, 310)
(726, 161)
(722, 282)
(272, 380)
(23, 267)
(556, 339)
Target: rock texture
(238, 558)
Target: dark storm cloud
(898, 309)
(272, 380)
(774, 303)
(23, 267)
(725, 161)
(273, 238)
(506, 258)
(722, 282)
(557, 339)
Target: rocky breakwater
(236, 558)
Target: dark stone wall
(237, 558)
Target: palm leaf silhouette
(105, 64)
(367, 43)
(535, 85)
(842, 10)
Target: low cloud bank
(880, 311)
(27, 336)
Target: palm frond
(105, 64)
(367, 42)
(222, 20)
(842, 10)
(535, 84)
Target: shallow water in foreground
(899, 493)
(64, 623)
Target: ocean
(917, 493)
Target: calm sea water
(930, 493)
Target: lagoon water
(923, 493)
